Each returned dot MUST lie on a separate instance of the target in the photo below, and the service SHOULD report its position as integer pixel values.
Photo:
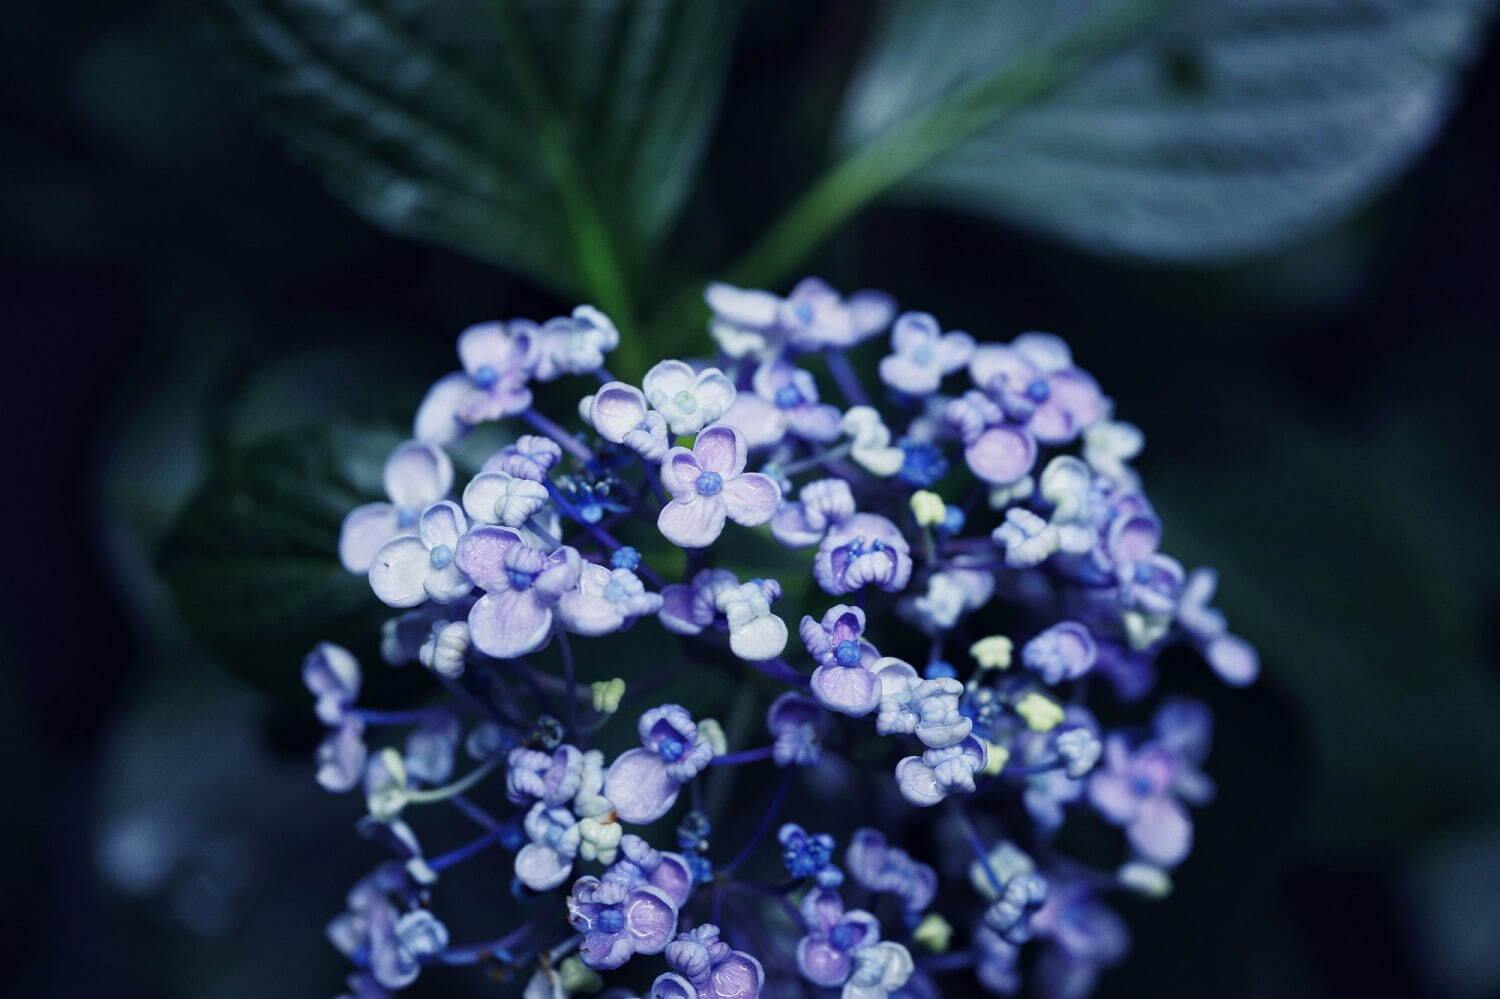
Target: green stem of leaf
(598, 260)
(874, 168)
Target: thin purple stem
(500, 948)
(743, 756)
(462, 853)
(543, 425)
(844, 376)
(760, 830)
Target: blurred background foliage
(1266, 225)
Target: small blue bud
(441, 556)
(485, 376)
(938, 669)
(625, 557)
(611, 921)
(846, 653)
(709, 483)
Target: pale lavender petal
(993, 366)
(670, 985)
(509, 623)
(819, 423)
(1112, 796)
(417, 474)
(673, 877)
(918, 782)
(751, 499)
(489, 344)
(617, 409)
(680, 472)
(738, 976)
(638, 786)
(902, 373)
(821, 963)
(437, 417)
(399, 572)
(650, 919)
(677, 614)
(1162, 832)
(585, 614)
(481, 555)
(760, 422)
(442, 524)
(1234, 659)
(790, 527)
(853, 691)
(721, 449)
(561, 575)
(870, 312)
(746, 307)
(1002, 455)
(1047, 352)
(542, 868)
(364, 530)
(695, 522)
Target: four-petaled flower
(521, 586)
(922, 354)
(409, 570)
(416, 476)
(708, 484)
(498, 362)
(643, 783)
(618, 921)
(689, 400)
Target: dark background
(1320, 426)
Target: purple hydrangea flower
(1064, 651)
(705, 967)
(618, 922)
(502, 498)
(744, 320)
(797, 726)
(805, 855)
(687, 609)
(688, 400)
(1034, 381)
(605, 601)
(620, 414)
(408, 570)
(1084, 936)
(996, 962)
(1135, 790)
(430, 747)
(879, 866)
(997, 450)
(551, 778)
(922, 354)
(825, 954)
(710, 483)
(573, 345)
(927, 779)
(819, 505)
(865, 549)
(643, 783)
(400, 944)
(814, 316)
(669, 873)
(416, 476)
(845, 679)
(521, 586)
(530, 457)
(547, 860)
(793, 396)
(1232, 658)
(498, 362)
(332, 674)
(342, 757)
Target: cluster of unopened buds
(977, 513)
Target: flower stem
(462, 853)
(743, 756)
(459, 786)
(760, 830)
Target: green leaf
(554, 137)
(1188, 131)
(252, 563)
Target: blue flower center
(846, 653)
(625, 557)
(485, 376)
(1141, 787)
(709, 483)
(406, 518)
(1142, 573)
(1038, 390)
(442, 556)
(611, 921)
(671, 749)
(844, 936)
(922, 356)
(787, 397)
(685, 401)
(805, 313)
(520, 579)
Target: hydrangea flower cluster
(985, 599)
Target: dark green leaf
(517, 132)
(252, 563)
(1194, 130)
